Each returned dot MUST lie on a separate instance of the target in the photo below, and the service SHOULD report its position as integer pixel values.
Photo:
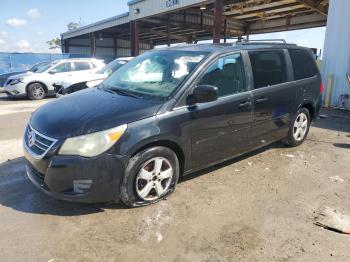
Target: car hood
(6, 75)
(21, 75)
(89, 111)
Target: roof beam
(165, 34)
(243, 9)
(282, 24)
(280, 15)
(186, 25)
(268, 10)
(314, 6)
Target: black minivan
(167, 113)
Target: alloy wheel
(154, 178)
(300, 127)
(38, 91)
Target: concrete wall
(336, 56)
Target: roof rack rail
(266, 40)
(263, 42)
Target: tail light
(321, 88)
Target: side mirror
(53, 71)
(204, 94)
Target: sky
(26, 25)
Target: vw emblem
(31, 138)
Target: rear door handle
(261, 100)
(244, 104)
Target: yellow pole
(329, 88)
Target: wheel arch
(39, 82)
(174, 146)
(310, 107)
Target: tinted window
(227, 75)
(303, 64)
(79, 66)
(269, 68)
(64, 67)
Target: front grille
(36, 143)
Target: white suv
(40, 84)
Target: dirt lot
(256, 208)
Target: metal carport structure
(157, 22)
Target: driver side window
(64, 67)
(227, 74)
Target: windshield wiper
(123, 92)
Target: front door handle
(261, 100)
(245, 104)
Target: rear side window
(79, 66)
(303, 64)
(227, 74)
(64, 67)
(269, 68)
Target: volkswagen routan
(167, 113)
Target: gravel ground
(259, 207)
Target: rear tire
(36, 91)
(150, 176)
(299, 128)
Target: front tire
(299, 128)
(36, 91)
(150, 176)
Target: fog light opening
(81, 186)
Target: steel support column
(168, 40)
(134, 38)
(66, 46)
(218, 11)
(115, 45)
(93, 44)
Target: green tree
(56, 42)
(72, 25)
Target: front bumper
(17, 90)
(74, 178)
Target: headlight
(92, 144)
(16, 81)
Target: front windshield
(155, 73)
(112, 67)
(46, 67)
(37, 66)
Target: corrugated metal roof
(103, 24)
(184, 21)
(134, 2)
